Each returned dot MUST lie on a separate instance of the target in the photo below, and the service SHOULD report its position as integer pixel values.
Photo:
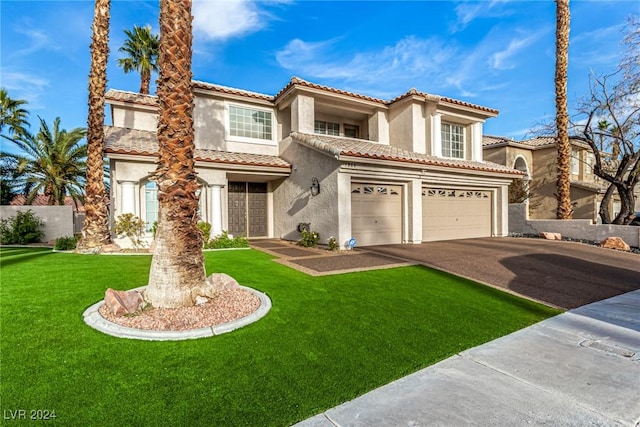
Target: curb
(92, 317)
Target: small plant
(21, 229)
(223, 241)
(309, 239)
(154, 228)
(205, 228)
(66, 243)
(332, 243)
(131, 226)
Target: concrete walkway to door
(558, 273)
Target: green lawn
(325, 341)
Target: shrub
(223, 241)
(21, 229)
(205, 228)
(131, 226)
(332, 242)
(308, 239)
(66, 243)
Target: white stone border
(95, 320)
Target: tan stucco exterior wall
(292, 199)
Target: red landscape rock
(222, 281)
(551, 236)
(615, 243)
(122, 302)
(112, 247)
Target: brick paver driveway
(564, 274)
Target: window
(575, 162)
(151, 204)
(452, 141)
(351, 131)
(589, 164)
(326, 128)
(250, 123)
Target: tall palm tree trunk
(563, 185)
(145, 82)
(177, 267)
(95, 230)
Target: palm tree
(563, 185)
(12, 116)
(177, 266)
(8, 188)
(52, 163)
(95, 230)
(142, 47)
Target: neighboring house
(537, 159)
(402, 171)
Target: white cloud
(408, 61)
(503, 59)
(222, 19)
(26, 86)
(33, 41)
(468, 11)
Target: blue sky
(494, 53)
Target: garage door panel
(376, 214)
(455, 214)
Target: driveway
(558, 273)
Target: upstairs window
(351, 131)
(589, 164)
(327, 128)
(452, 141)
(575, 161)
(250, 123)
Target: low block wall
(574, 228)
(58, 220)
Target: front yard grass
(325, 341)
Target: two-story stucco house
(352, 166)
(537, 159)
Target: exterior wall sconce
(315, 186)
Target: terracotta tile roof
(439, 98)
(340, 146)
(132, 97)
(41, 200)
(300, 82)
(230, 90)
(144, 143)
(532, 143)
(488, 140)
(122, 96)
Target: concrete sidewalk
(576, 369)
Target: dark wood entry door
(248, 209)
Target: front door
(248, 209)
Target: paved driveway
(563, 274)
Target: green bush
(66, 243)
(309, 239)
(332, 242)
(131, 226)
(223, 241)
(205, 228)
(21, 229)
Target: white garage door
(376, 214)
(449, 214)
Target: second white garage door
(449, 214)
(376, 214)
